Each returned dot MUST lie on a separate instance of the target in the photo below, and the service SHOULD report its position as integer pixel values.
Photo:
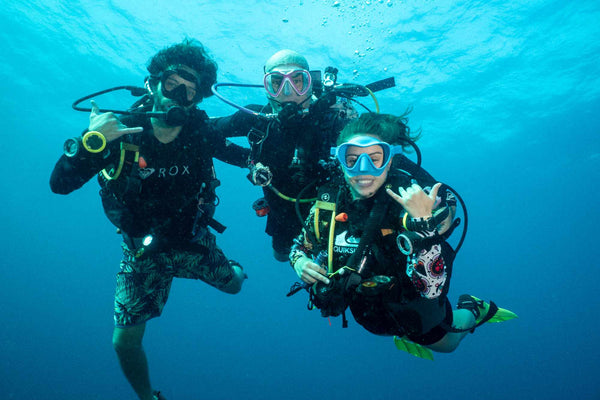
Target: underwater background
(507, 95)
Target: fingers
(95, 109)
(312, 273)
(405, 194)
(414, 187)
(434, 191)
(126, 131)
(395, 196)
(415, 200)
(316, 276)
(107, 123)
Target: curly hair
(191, 53)
(388, 128)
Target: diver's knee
(128, 339)
(447, 344)
(463, 319)
(235, 285)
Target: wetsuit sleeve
(235, 125)
(231, 153)
(71, 173)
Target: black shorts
(420, 320)
(437, 332)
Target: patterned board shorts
(144, 282)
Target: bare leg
(463, 319)
(128, 345)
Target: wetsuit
(414, 303)
(292, 150)
(169, 194)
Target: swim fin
(413, 348)
(484, 312)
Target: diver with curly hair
(158, 186)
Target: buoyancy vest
(176, 197)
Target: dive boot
(483, 311)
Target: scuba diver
(290, 138)
(375, 241)
(158, 186)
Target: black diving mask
(181, 86)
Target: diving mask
(355, 164)
(298, 80)
(180, 85)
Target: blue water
(507, 95)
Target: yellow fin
(503, 315)
(500, 316)
(413, 348)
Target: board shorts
(144, 282)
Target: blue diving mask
(364, 163)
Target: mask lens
(298, 80)
(364, 163)
(275, 84)
(179, 85)
(372, 163)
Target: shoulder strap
(372, 229)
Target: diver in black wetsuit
(375, 242)
(158, 187)
(286, 151)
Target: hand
(261, 174)
(416, 202)
(109, 125)
(310, 272)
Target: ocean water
(507, 95)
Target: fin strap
(492, 310)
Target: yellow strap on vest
(324, 205)
(125, 147)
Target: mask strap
(148, 85)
